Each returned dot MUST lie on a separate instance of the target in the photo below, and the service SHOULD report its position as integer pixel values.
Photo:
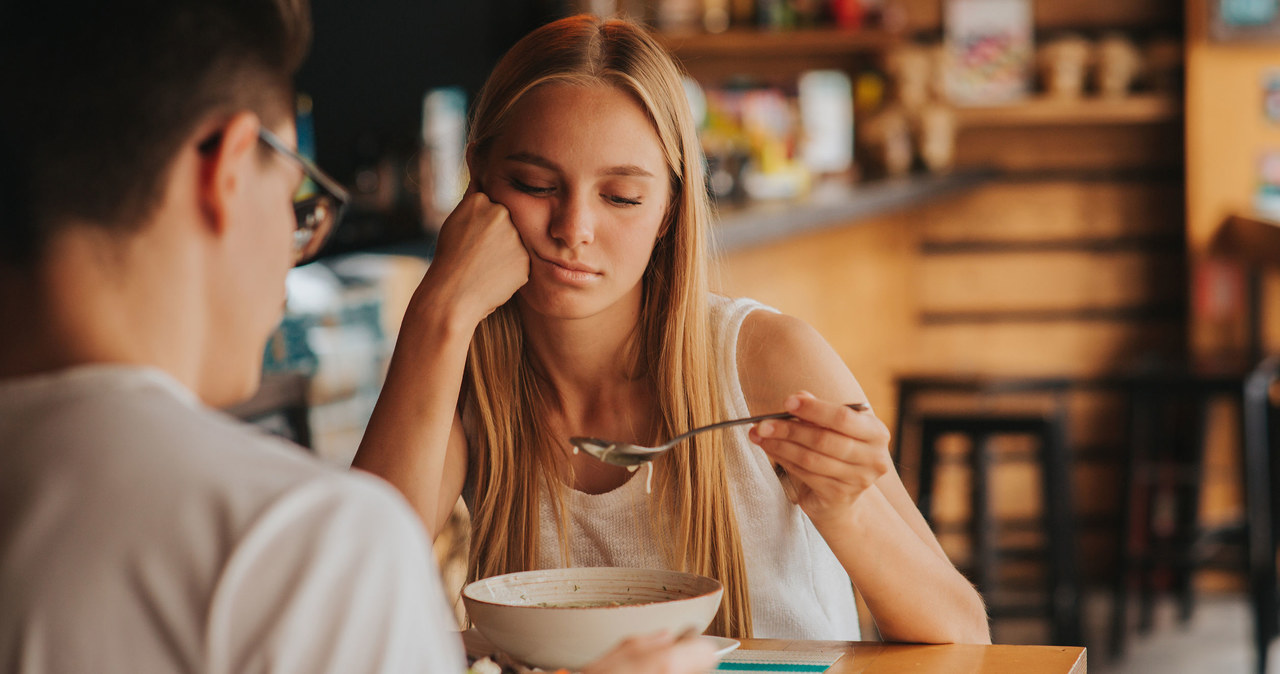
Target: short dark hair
(99, 95)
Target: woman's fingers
(839, 417)
(826, 487)
(857, 466)
(480, 259)
(842, 444)
(835, 451)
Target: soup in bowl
(571, 617)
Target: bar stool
(1061, 583)
(1161, 542)
(1261, 438)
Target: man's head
(100, 95)
(132, 142)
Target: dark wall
(372, 60)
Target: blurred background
(1040, 232)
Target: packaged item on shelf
(770, 125)
(775, 14)
(847, 14)
(989, 45)
(678, 15)
(724, 144)
(885, 142)
(935, 133)
(715, 15)
(910, 67)
(1063, 63)
(1116, 64)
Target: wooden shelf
(1089, 111)
(745, 43)
(1055, 15)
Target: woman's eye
(530, 189)
(623, 201)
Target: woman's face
(581, 170)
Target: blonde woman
(569, 296)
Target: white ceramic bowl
(570, 617)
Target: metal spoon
(627, 454)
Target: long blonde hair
(513, 453)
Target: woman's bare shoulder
(780, 354)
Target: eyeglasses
(318, 204)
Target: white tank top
(798, 589)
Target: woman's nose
(572, 223)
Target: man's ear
(224, 169)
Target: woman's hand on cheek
(480, 261)
(833, 453)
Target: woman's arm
(414, 439)
(840, 462)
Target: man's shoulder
(123, 413)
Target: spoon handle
(857, 407)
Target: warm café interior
(1041, 234)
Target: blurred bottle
(826, 117)
(442, 163)
(775, 14)
(847, 14)
(715, 15)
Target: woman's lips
(569, 272)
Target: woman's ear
(225, 169)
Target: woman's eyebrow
(535, 159)
(542, 162)
(626, 170)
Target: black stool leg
(1064, 584)
(929, 436)
(1156, 492)
(1189, 503)
(1126, 543)
(1257, 424)
(981, 521)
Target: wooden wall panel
(1057, 210)
(1106, 148)
(1053, 348)
(851, 283)
(1062, 281)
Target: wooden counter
(835, 205)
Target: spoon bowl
(628, 455)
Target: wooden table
(874, 657)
